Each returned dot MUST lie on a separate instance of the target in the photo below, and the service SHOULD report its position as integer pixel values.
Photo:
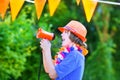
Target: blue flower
(59, 60)
(71, 48)
(80, 51)
(65, 53)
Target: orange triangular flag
(39, 4)
(78, 2)
(15, 7)
(89, 7)
(3, 7)
(53, 4)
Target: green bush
(15, 46)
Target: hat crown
(78, 28)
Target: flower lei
(64, 51)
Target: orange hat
(76, 28)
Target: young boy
(69, 61)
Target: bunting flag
(15, 7)
(89, 7)
(3, 7)
(39, 4)
(78, 2)
(53, 4)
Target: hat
(76, 28)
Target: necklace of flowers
(64, 51)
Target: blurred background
(20, 54)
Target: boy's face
(65, 39)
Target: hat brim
(61, 29)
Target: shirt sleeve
(67, 65)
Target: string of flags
(15, 6)
(107, 2)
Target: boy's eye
(66, 31)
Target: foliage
(99, 65)
(16, 44)
(115, 26)
(102, 58)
